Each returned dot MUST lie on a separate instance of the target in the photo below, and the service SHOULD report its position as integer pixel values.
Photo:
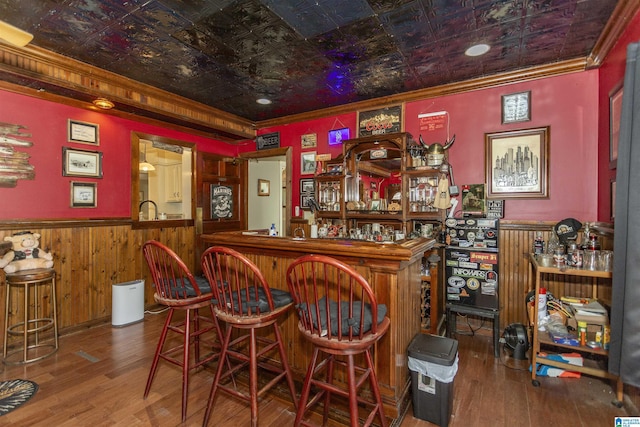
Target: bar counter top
(404, 250)
(392, 269)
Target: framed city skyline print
(517, 164)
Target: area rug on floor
(14, 393)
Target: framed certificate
(516, 107)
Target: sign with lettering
(495, 209)
(381, 121)
(221, 201)
(268, 140)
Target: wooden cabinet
(590, 367)
(173, 183)
(377, 183)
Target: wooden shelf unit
(536, 274)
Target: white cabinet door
(173, 183)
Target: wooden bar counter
(392, 269)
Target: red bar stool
(178, 289)
(246, 303)
(339, 315)
(34, 322)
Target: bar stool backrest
(327, 289)
(239, 287)
(171, 277)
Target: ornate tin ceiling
(306, 55)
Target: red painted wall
(48, 196)
(568, 104)
(611, 77)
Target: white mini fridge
(127, 303)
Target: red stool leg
(156, 357)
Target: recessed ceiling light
(477, 50)
(263, 101)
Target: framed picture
(517, 164)
(307, 185)
(308, 163)
(374, 205)
(380, 121)
(516, 107)
(305, 201)
(81, 163)
(615, 108)
(84, 194)
(264, 187)
(613, 199)
(82, 132)
(309, 140)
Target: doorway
(271, 168)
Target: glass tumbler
(605, 261)
(590, 259)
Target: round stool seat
(34, 321)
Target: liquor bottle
(538, 244)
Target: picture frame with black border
(83, 132)
(307, 185)
(305, 201)
(84, 194)
(516, 107)
(84, 163)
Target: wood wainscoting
(90, 256)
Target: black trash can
(433, 364)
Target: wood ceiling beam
(44, 71)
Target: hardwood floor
(97, 378)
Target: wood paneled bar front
(393, 270)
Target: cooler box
(433, 362)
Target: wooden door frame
(275, 152)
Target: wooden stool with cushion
(34, 322)
(179, 290)
(246, 303)
(338, 314)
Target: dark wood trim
(624, 12)
(54, 73)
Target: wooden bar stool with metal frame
(34, 322)
(339, 314)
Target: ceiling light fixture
(14, 35)
(144, 166)
(263, 101)
(477, 50)
(103, 103)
